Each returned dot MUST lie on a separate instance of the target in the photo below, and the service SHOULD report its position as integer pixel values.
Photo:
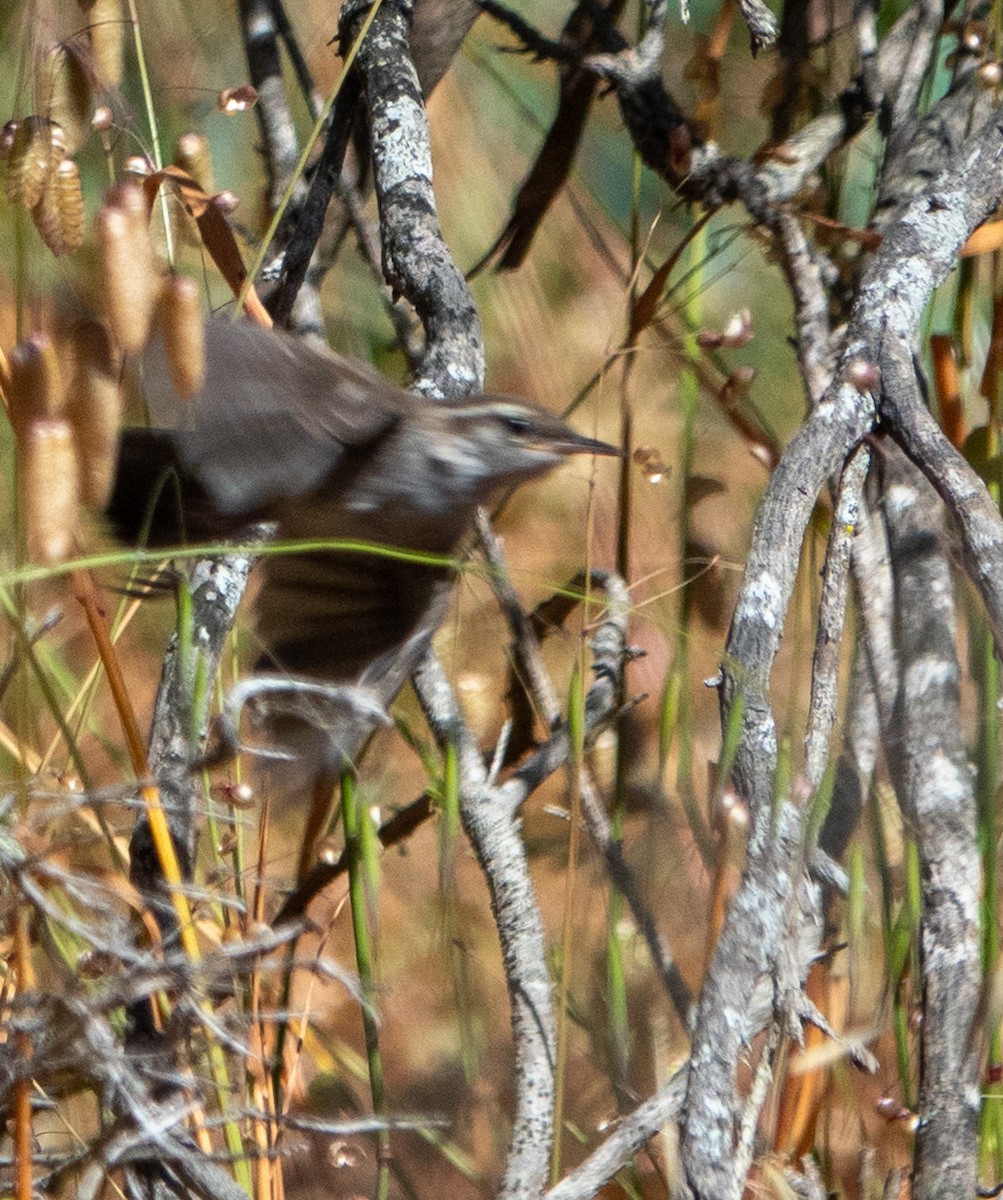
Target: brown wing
(333, 614)
(274, 417)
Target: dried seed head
(236, 795)
(226, 202)
(738, 332)
(738, 384)
(762, 455)
(36, 386)
(7, 135)
(50, 489)
(136, 168)
(734, 811)
(36, 149)
(650, 460)
(103, 118)
(106, 33)
(709, 339)
(59, 215)
(94, 409)
(130, 282)
(98, 965)
(65, 91)
(237, 99)
(973, 36)
(328, 852)
(194, 156)
(991, 74)
(184, 338)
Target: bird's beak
(577, 443)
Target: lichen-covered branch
(489, 819)
(416, 261)
(918, 251)
(938, 795)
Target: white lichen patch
(899, 498)
(942, 777)
(760, 600)
(400, 140)
(930, 671)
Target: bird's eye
(516, 424)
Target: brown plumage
(327, 449)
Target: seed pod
(974, 36)
(7, 135)
(37, 148)
(738, 332)
(650, 460)
(127, 266)
(103, 119)
(991, 74)
(184, 337)
(94, 409)
(193, 156)
(237, 99)
(36, 387)
(65, 92)
(106, 32)
(49, 489)
(136, 168)
(59, 215)
(226, 202)
(738, 384)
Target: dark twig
(586, 30)
(310, 215)
(303, 75)
(793, 52)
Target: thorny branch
(918, 251)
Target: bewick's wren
(326, 448)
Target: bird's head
(495, 442)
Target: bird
(325, 448)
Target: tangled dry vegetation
(748, 931)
